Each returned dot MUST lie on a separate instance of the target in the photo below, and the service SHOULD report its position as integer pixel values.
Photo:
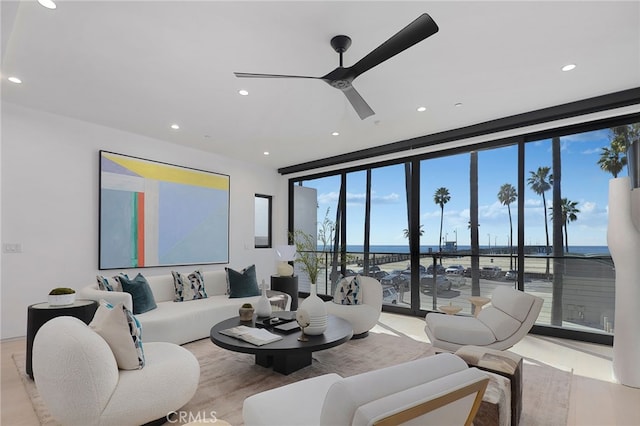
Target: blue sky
(582, 181)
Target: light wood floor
(595, 397)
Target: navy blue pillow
(243, 283)
(140, 291)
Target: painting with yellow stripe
(158, 214)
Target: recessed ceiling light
(458, 104)
(15, 80)
(243, 92)
(569, 67)
(335, 134)
(175, 126)
(49, 4)
(266, 153)
(422, 109)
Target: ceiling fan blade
(359, 104)
(413, 33)
(252, 75)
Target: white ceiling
(141, 66)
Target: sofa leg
(360, 335)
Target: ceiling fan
(341, 77)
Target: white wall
(50, 205)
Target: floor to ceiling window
(529, 213)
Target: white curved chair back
(74, 370)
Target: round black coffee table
(289, 354)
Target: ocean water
(598, 250)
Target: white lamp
(285, 254)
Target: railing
(587, 283)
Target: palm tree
(540, 182)
(406, 232)
(506, 196)
(569, 214)
(613, 159)
(441, 197)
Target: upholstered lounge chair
(436, 390)
(78, 378)
(364, 315)
(500, 325)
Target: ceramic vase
(623, 239)
(263, 307)
(317, 312)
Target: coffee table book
(255, 336)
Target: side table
(40, 313)
(287, 284)
(478, 302)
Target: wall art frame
(159, 214)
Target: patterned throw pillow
(197, 285)
(181, 287)
(348, 292)
(122, 332)
(106, 284)
(243, 283)
(140, 291)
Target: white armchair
(78, 378)
(364, 315)
(438, 390)
(500, 325)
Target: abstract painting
(158, 214)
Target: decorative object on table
(62, 296)
(302, 317)
(310, 264)
(246, 312)
(285, 254)
(263, 307)
(623, 239)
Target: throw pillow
(349, 292)
(106, 284)
(122, 332)
(140, 291)
(181, 287)
(197, 285)
(243, 283)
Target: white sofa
(77, 376)
(436, 390)
(179, 322)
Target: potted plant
(310, 264)
(246, 312)
(61, 296)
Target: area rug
(227, 378)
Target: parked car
(375, 272)
(426, 283)
(490, 272)
(395, 279)
(511, 275)
(454, 269)
(440, 270)
(389, 295)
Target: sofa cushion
(197, 285)
(243, 283)
(181, 286)
(502, 325)
(512, 302)
(108, 284)
(348, 292)
(459, 329)
(140, 291)
(122, 332)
